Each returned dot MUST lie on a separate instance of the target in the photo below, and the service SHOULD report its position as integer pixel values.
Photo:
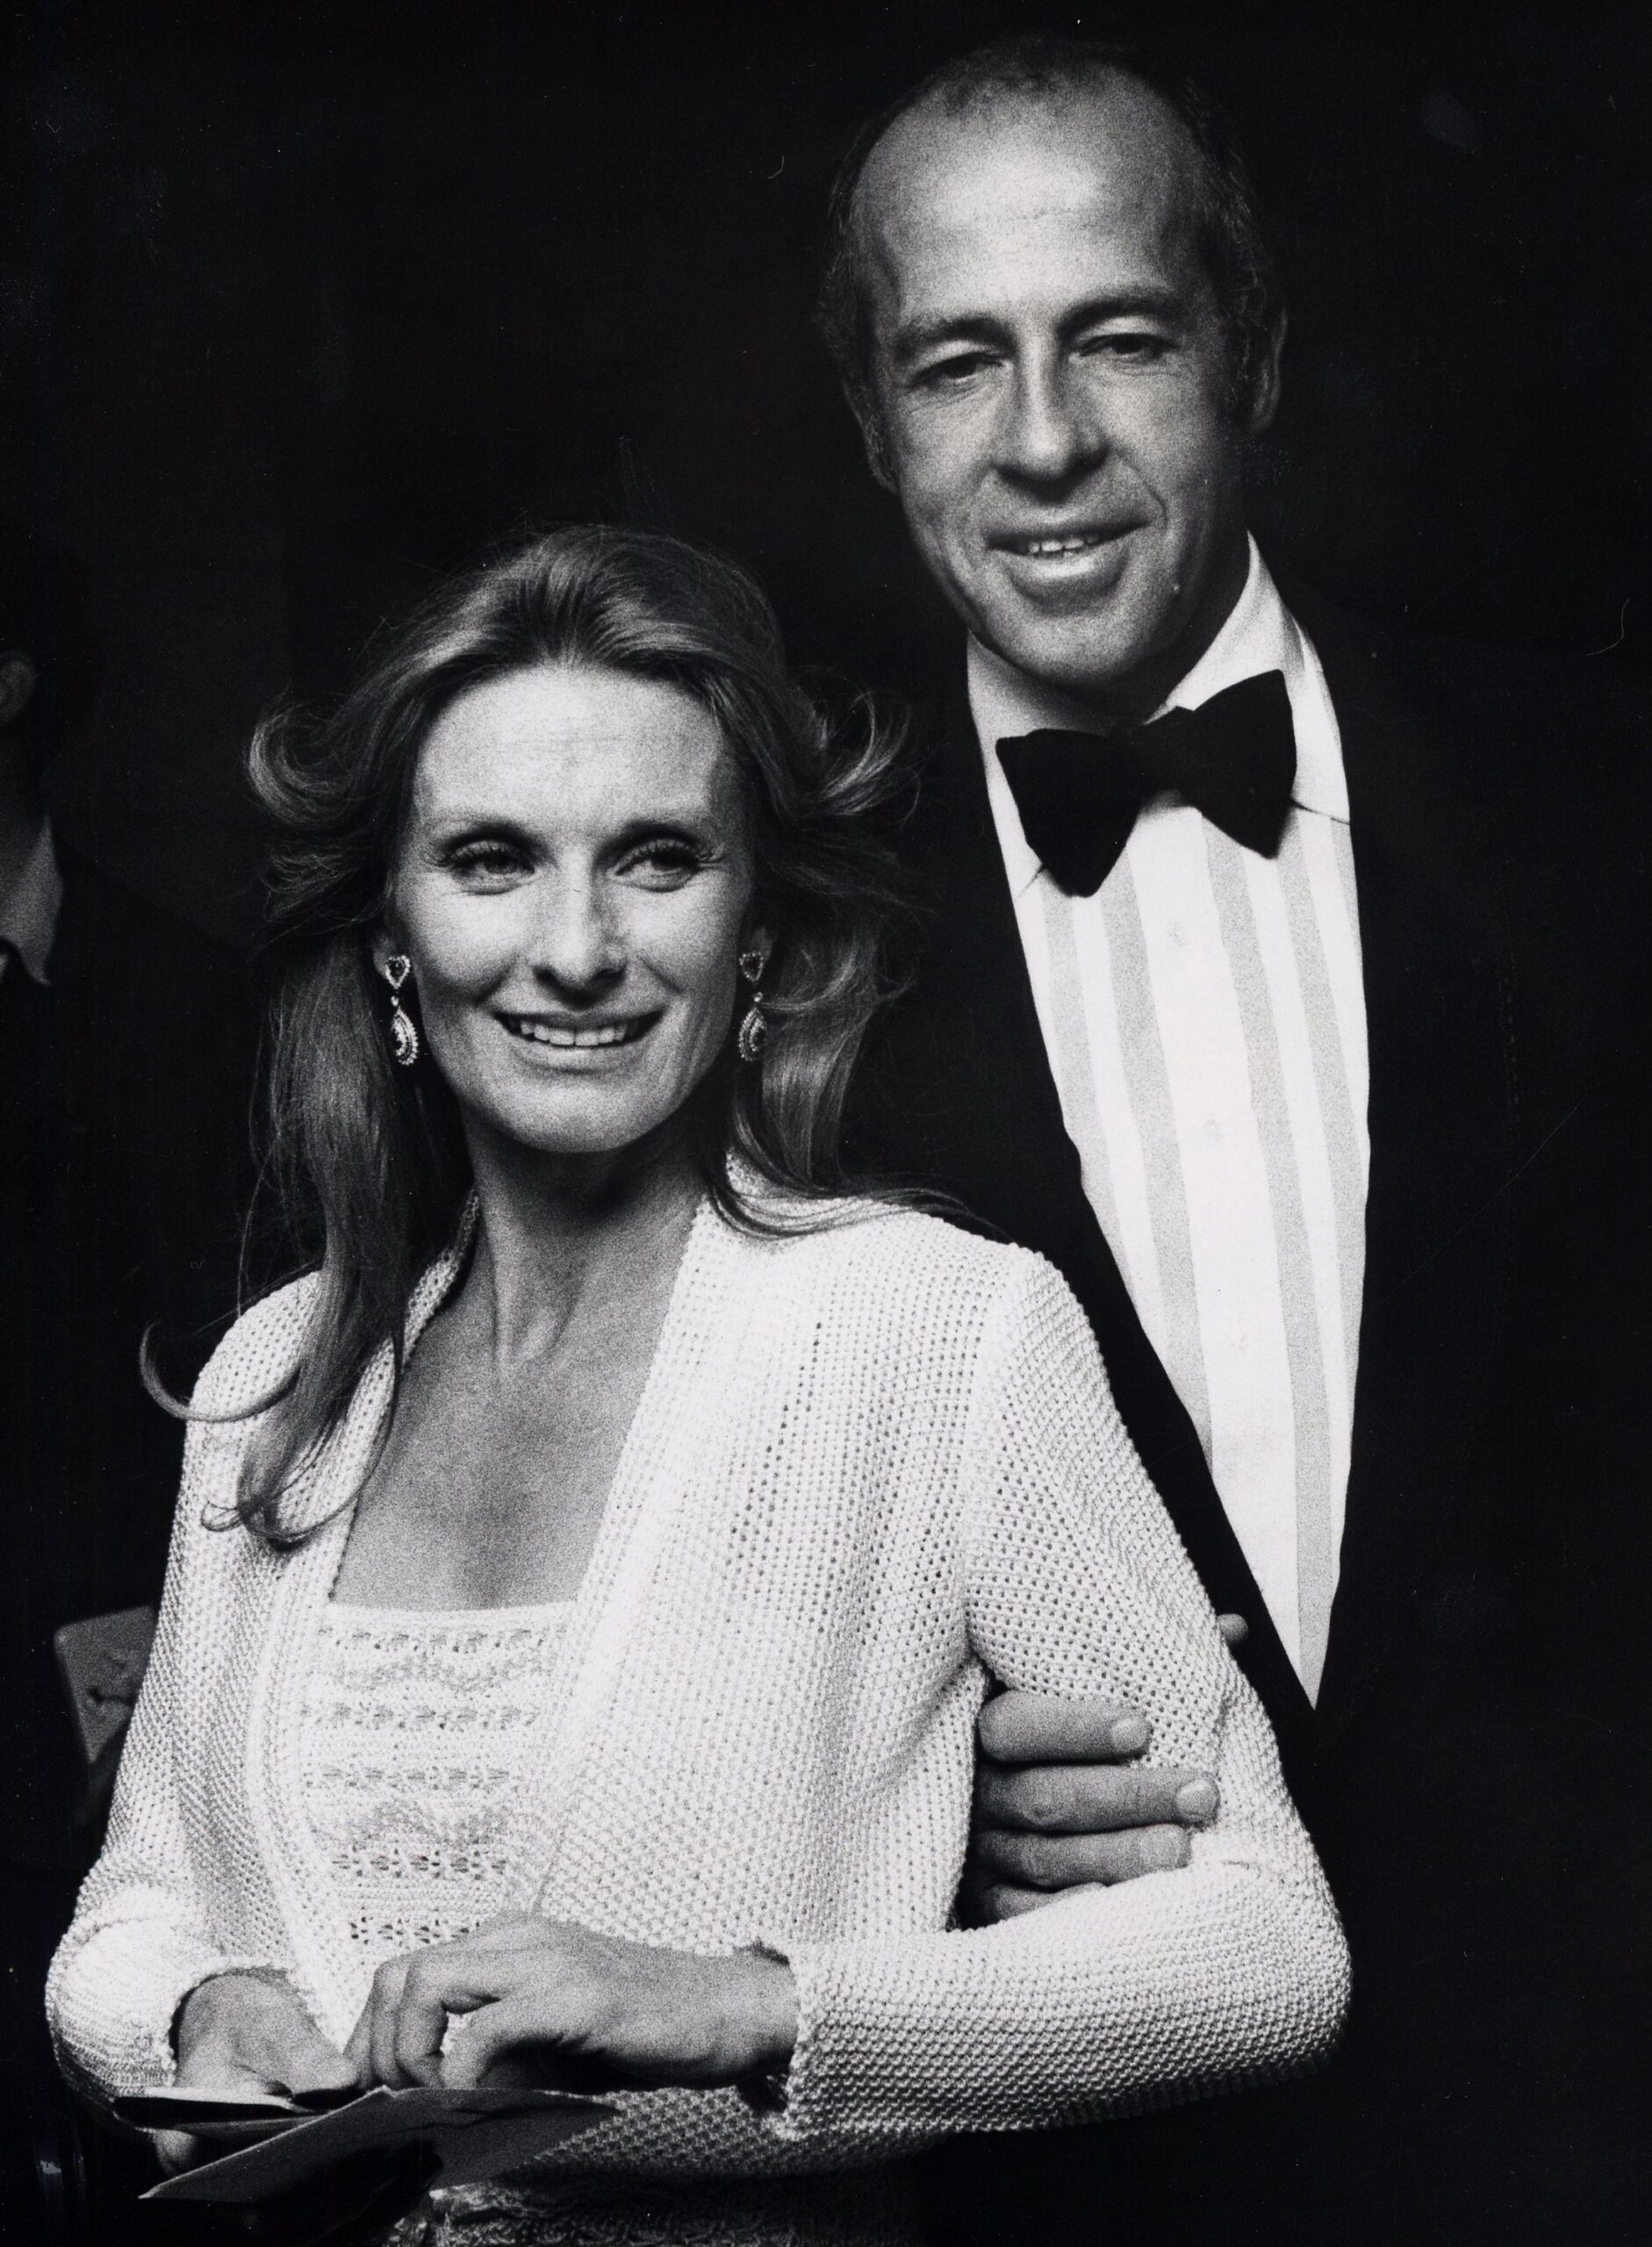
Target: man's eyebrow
(1146, 300)
(918, 338)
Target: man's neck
(1127, 701)
(1038, 702)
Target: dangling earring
(754, 1027)
(404, 1038)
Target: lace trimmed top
(416, 1729)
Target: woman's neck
(561, 1236)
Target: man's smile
(1086, 560)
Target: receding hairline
(1216, 196)
(943, 107)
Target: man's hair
(1038, 66)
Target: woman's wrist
(195, 2016)
(759, 2029)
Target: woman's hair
(366, 1160)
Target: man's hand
(239, 2032)
(584, 2011)
(1061, 1802)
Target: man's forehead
(1110, 160)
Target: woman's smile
(588, 1037)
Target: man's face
(1052, 385)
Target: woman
(586, 1577)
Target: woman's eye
(486, 862)
(662, 866)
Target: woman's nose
(577, 942)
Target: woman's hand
(585, 2011)
(240, 2033)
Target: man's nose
(1048, 433)
(577, 943)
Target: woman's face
(573, 890)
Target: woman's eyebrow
(455, 819)
(673, 827)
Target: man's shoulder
(1594, 705)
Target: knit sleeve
(1108, 1999)
(140, 1940)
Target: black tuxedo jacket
(1473, 1772)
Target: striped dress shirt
(1204, 1017)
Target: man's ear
(17, 682)
(869, 420)
(1266, 382)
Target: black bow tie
(1234, 759)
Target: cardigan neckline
(700, 1342)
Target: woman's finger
(318, 2067)
(385, 2006)
(358, 2051)
(436, 1986)
(490, 2033)
(516, 1931)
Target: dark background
(300, 305)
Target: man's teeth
(1077, 543)
(542, 1034)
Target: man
(1281, 1031)
(124, 1059)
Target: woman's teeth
(541, 1033)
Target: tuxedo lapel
(1442, 1144)
(958, 1092)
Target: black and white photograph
(824, 1124)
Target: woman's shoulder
(260, 1352)
(893, 1253)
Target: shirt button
(1240, 1338)
(1212, 1127)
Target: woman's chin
(581, 1123)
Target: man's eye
(951, 373)
(1132, 346)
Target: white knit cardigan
(872, 1465)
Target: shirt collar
(1259, 634)
(30, 903)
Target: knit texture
(418, 1729)
(872, 1465)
